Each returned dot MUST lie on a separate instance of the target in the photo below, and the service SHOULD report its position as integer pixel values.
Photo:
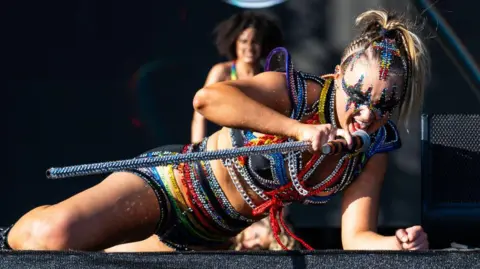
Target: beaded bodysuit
(205, 217)
(281, 178)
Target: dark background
(91, 81)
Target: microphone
(360, 139)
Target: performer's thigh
(122, 208)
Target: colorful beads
(323, 98)
(288, 174)
(388, 49)
(233, 71)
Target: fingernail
(404, 239)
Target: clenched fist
(413, 238)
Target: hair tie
(383, 32)
(387, 33)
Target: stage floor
(462, 259)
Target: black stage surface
(463, 259)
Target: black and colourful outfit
(205, 217)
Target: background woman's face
(247, 46)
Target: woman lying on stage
(201, 205)
(245, 39)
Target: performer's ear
(338, 71)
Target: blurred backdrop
(91, 81)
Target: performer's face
(364, 100)
(248, 47)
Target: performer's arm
(260, 104)
(199, 126)
(360, 210)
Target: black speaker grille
(454, 153)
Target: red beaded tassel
(275, 205)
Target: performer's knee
(40, 230)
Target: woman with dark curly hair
(244, 39)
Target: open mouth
(356, 125)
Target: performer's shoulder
(221, 70)
(223, 67)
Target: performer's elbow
(200, 100)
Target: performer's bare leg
(120, 209)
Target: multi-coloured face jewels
(381, 106)
(388, 49)
(389, 97)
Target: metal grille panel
(454, 154)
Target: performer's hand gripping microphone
(360, 143)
